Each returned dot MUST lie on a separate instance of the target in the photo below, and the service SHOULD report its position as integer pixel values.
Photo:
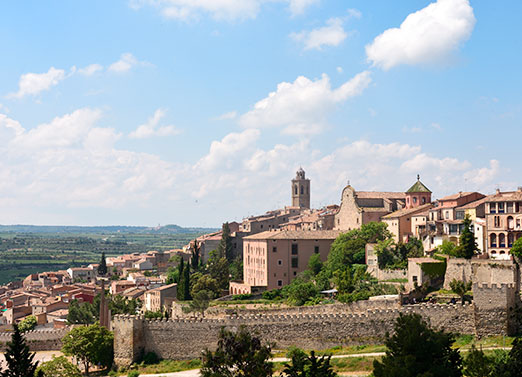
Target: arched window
(423, 200)
(295, 190)
(511, 239)
(493, 240)
(302, 190)
(414, 200)
(511, 222)
(501, 240)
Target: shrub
(151, 358)
(133, 373)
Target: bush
(59, 367)
(151, 358)
(273, 294)
(133, 373)
(241, 297)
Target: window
(446, 215)
(509, 207)
(316, 249)
(500, 207)
(493, 240)
(415, 279)
(415, 200)
(295, 262)
(279, 283)
(423, 200)
(518, 223)
(295, 190)
(492, 208)
(302, 190)
(295, 273)
(279, 262)
(274, 249)
(294, 249)
(459, 215)
(261, 226)
(497, 221)
(502, 240)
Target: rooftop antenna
(418, 177)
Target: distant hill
(42, 229)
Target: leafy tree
(59, 367)
(225, 249)
(300, 291)
(516, 250)
(122, 305)
(90, 345)
(467, 243)
(511, 365)
(302, 365)
(201, 301)
(447, 248)
(218, 269)
(102, 267)
(172, 276)
(315, 264)
(236, 269)
(194, 259)
(349, 248)
(417, 350)
(20, 361)
(460, 288)
(153, 315)
(477, 364)
(204, 283)
(238, 354)
(83, 313)
(28, 324)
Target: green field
(24, 253)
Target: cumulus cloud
(333, 34)
(427, 36)
(151, 129)
(126, 63)
(90, 69)
(35, 83)
(227, 116)
(302, 106)
(185, 10)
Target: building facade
(301, 190)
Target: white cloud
(90, 69)
(485, 175)
(227, 116)
(151, 128)
(185, 10)
(126, 63)
(332, 34)
(339, 69)
(302, 105)
(35, 83)
(354, 13)
(427, 36)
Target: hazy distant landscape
(26, 249)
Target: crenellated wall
(38, 340)
(494, 309)
(186, 338)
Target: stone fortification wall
(39, 340)
(493, 309)
(354, 307)
(186, 338)
(484, 271)
(458, 269)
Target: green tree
(27, 324)
(302, 365)
(510, 366)
(59, 367)
(186, 283)
(180, 293)
(236, 269)
(516, 250)
(225, 249)
(238, 354)
(417, 350)
(315, 264)
(172, 276)
(83, 313)
(122, 305)
(447, 248)
(204, 283)
(90, 345)
(200, 302)
(467, 243)
(460, 288)
(218, 268)
(477, 364)
(20, 361)
(102, 267)
(194, 259)
(300, 291)
(349, 248)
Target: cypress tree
(467, 244)
(194, 260)
(102, 267)
(186, 283)
(224, 248)
(181, 291)
(18, 357)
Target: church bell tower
(301, 190)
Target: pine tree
(18, 357)
(467, 244)
(102, 267)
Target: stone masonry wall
(39, 340)
(458, 269)
(186, 338)
(493, 309)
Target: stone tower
(418, 195)
(301, 190)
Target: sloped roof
(295, 234)
(418, 187)
(408, 211)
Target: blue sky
(199, 111)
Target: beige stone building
(273, 259)
(361, 207)
(160, 298)
(301, 190)
(400, 222)
(503, 222)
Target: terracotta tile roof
(455, 196)
(295, 234)
(409, 211)
(505, 196)
(474, 204)
(380, 195)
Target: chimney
(519, 189)
(498, 191)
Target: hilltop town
(275, 249)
